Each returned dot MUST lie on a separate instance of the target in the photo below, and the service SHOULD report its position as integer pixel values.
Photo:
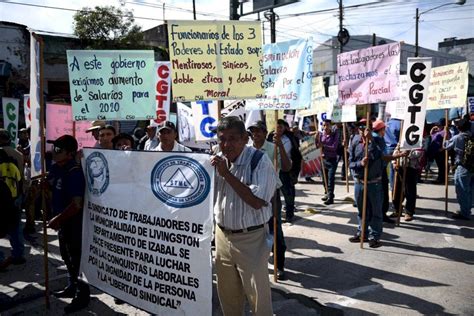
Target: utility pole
(194, 9)
(341, 17)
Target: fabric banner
(152, 251)
(369, 75)
(418, 80)
(27, 110)
(448, 86)
(35, 99)
(287, 73)
(59, 122)
(398, 108)
(205, 116)
(215, 60)
(112, 85)
(163, 92)
(319, 102)
(10, 118)
(311, 158)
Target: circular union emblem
(180, 182)
(97, 173)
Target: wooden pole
(275, 211)
(323, 169)
(446, 165)
(402, 193)
(344, 139)
(395, 180)
(366, 175)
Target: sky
(393, 19)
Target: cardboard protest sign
(27, 110)
(418, 80)
(319, 102)
(398, 108)
(163, 92)
(215, 60)
(311, 158)
(35, 96)
(235, 108)
(152, 251)
(334, 108)
(187, 129)
(205, 118)
(287, 73)
(112, 85)
(59, 122)
(10, 118)
(270, 121)
(369, 75)
(448, 86)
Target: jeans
(330, 166)
(464, 183)
(374, 217)
(289, 192)
(16, 241)
(281, 245)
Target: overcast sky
(390, 18)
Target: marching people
(67, 183)
(152, 140)
(94, 129)
(258, 132)
(435, 149)
(106, 134)
(329, 142)
(123, 141)
(463, 145)
(357, 162)
(242, 210)
(167, 139)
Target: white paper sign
(205, 116)
(397, 109)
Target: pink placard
(369, 75)
(59, 122)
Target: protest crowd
(255, 159)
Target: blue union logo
(97, 173)
(180, 181)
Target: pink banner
(369, 75)
(59, 122)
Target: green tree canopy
(107, 27)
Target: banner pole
(402, 193)
(275, 211)
(344, 139)
(446, 164)
(395, 180)
(366, 175)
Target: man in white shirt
(152, 141)
(242, 208)
(167, 135)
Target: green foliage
(107, 27)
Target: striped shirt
(230, 210)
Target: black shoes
(329, 202)
(67, 292)
(373, 243)
(356, 238)
(18, 261)
(281, 275)
(460, 216)
(77, 304)
(387, 219)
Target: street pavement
(424, 266)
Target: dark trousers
(289, 192)
(281, 245)
(70, 243)
(385, 203)
(411, 179)
(440, 162)
(330, 166)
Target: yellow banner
(448, 86)
(215, 60)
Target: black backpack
(467, 159)
(295, 156)
(9, 213)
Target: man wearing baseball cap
(167, 135)
(66, 181)
(94, 129)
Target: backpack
(10, 214)
(256, 156)
(296, 158)
(467, 159)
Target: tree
(107, 27)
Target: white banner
(35, 97)
(186, 130)
(153, 250)
(319, 101)
(163, 92)
(398, 109)
(10, 118)
(205, 116)
(418, 81)
(27, 110)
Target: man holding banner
(242, 208)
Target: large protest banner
(215, 60)
(448, 86)
(59, 122)
(35, 97)
(112, 85)
(319, 102)
(163, 92)
(398, 108)
(287, 73)
(205, 117)
(10, 118)
(369, 75)
(153, 250)
(418, 80)
(27, 110)
(311, 165)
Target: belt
(238, 231)
(376, 180)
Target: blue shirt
(457, 142)
(375, 153)
(392, 134)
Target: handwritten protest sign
(369, 75)
(10, 118)
(319, 102)
(187, 129)
(59, 122)
(311, 158)
(235, 108)
(418, 80)
(448, 86)
(152, 251)
(398, 108)
(270, 121)
(215, 60)
(112, 85)
(163, 92)
(35, 98)
(287, 73)
(205, 119)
